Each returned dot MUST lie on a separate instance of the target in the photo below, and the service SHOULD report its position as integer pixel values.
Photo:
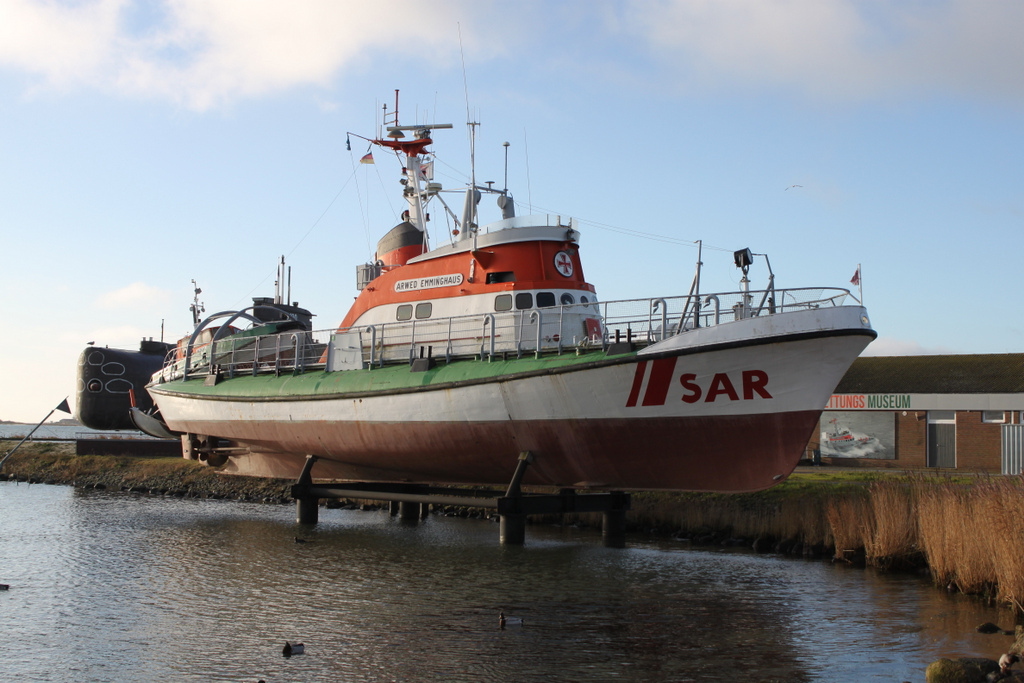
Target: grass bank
(56, 463)
(964, 530)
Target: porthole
(567, 299)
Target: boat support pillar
(307, 505)
(512, 520)
(411, 502)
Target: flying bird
(792, 186)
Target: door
(941, 438)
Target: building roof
(953, 374)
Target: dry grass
(892, 535)
(850, 520)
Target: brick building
(962, 412)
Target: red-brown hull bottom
(717, 453)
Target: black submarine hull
(109, 378)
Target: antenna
(506, 145)
(529, 190)
(469, 219)
(465, 82)
(197, 308)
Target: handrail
(655, 303)
(536, 347)
(202, 326)
(372, 329)
(488, 318)
(645, 321)
(718, 306)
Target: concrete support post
(512, 529)
(511, 518)
(307, 510)
(613, 528)
(307, 507)
(408, 512)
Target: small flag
(855, 280)
(348, 144)
(427, 170)
(64, 407)
(368, 159)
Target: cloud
(136, 296)
(838, 49)
(65, 44)
(204, 53)
(887, 346)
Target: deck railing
(505, 334)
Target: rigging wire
(637, 233)
(307, 233)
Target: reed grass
(849, 519)
(891, 537)
(966, 530)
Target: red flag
(855, 280)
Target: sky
(144, 145)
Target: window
(423, 310)
(404, 312)
(567, 299)
(995, 416)
(583, 298)
(503, 276)
(503, 302)
(545, 299)
(524, 300)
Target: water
(115, 587)
(56, 432)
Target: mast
(412, 149)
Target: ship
(464, 350)
(841, 439)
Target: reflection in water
(112, 587)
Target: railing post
(655, 304)
(448, 346)
(412, 342)
(297, 365)
(536, 347)
(488, 319)
(373, 343)
(256, 357)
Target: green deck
(390, 378)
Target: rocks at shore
(979, 669)
(962, 670)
